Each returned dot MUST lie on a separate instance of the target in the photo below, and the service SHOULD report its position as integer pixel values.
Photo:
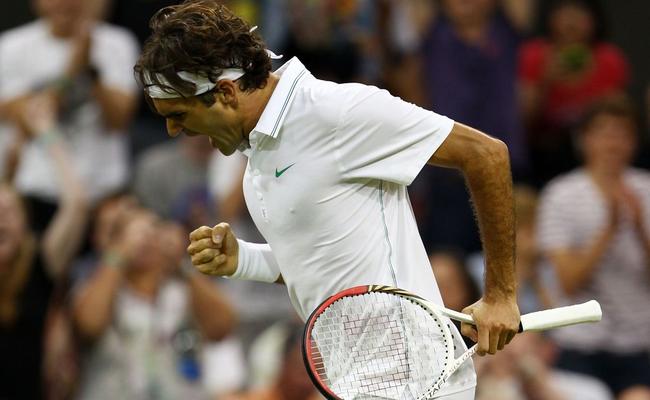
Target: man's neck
(257, 101)
(60, 32)
(605, 176)
(145, 283)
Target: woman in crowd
(31, 266)
(561, 74)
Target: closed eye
(176, 116)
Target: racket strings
(378, 345)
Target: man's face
(64, 15)
(219, 122)
(609, 141)
(572, 23)
(468, 10)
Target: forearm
(212, 312)
(490, 184)
(12, 159)
(72, 193)
(575, 269)
(93, 306)
(117, 106)
(65, 233)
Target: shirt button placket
(257, 184)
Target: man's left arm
(484, 161)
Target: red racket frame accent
(306, 342)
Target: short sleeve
(615, 66)
(554, 229)
(114, 54)
(13, 81)
(383, 137)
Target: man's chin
(226, 151)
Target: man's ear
(226, 92)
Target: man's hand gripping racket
(380, 342)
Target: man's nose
(173, 128)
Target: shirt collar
(283, 94)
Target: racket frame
(438, 312)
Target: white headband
(203, 84)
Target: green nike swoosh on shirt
(282, 171)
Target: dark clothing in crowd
(21, 341)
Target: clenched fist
(214, 251)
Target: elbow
(88, 331)
(88, 325)
(487, 155)
(496, 152)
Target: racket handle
(561, 316)
(458, 316)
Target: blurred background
(91, 309)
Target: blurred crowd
(98, 299)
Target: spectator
(89, 65)
(561, 74)
(469, 59)
(594, 230)
(292, 382)
(166, 193)
(332, 38)
(31, 266)
(142, 323)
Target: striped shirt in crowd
(572, 212)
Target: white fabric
(30, 58)
(220, 381)
(203, 83)
(326, 186)
(255, 263)
(571, 214)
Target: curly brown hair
(201, 37)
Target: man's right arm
(484, 162)
(217, 251)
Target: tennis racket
(380, 342)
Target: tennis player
(328, 167)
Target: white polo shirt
(326, 186)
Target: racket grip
(561, 316)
